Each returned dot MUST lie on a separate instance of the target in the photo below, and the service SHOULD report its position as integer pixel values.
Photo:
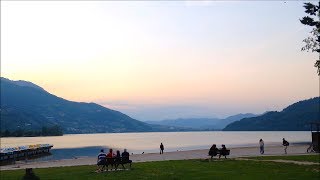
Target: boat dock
(23, 152)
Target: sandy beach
(298, 149)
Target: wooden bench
(220, 152)
(224, 153)
(115, 162)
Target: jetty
(23, 152)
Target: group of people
(285, 144)
(112, 159)
(104, 160)
(214, 151)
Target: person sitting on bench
(125, 158)
(101, 162)
(213, 150)
(117, 160)
(110, 158)
(223, 151)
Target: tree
(313, 41)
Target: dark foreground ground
(252, 168)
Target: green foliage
(45, 131)
(313, 41)
(51, 131)
(303, 158)
(296, 117)
(184, 169)
(311, 8)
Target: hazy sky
(157, 60)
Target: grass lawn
(309, 158)
(183, 169)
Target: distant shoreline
(198, 130)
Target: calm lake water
(78, 145)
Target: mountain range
(202, 123)
(27, 106)
(296, 117)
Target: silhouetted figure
(30, 175)
(118, 159)
(310, 148)
(285, 143)
(261, 143)
(102, 160)
(213, 151)
(161, 148)
(125, 157)
(223, 151)
(118, 155)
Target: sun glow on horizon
(219, 57)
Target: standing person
(261, 143)
(161, 148)
(310, 148)
(285, 143)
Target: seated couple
(215, 151)
(104, 160)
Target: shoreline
(235, 152)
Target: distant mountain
(202, 123)
(27, 106)
(22, 83)
(224, 122)
(196, 123)
(295, 117)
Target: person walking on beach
(161, 148)
(261, 143)
(285, 143)
(310, 148)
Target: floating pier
(23, 152)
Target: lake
(79, 145)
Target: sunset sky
(161, 60)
